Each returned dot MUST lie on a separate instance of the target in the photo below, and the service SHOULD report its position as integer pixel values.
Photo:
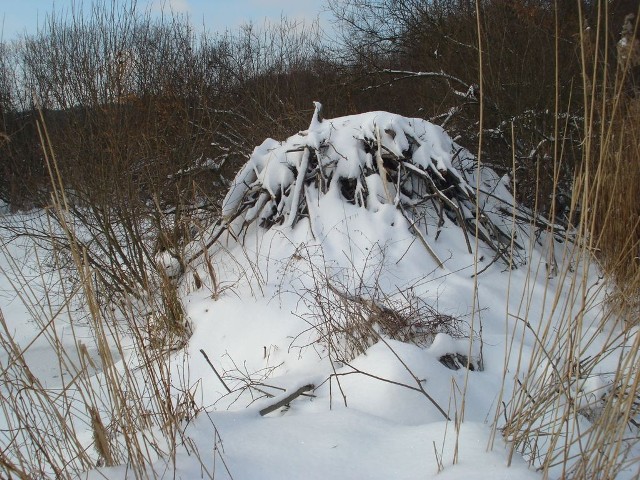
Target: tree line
(139, 109)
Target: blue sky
(20, 16)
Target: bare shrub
(520, 59)
(140, 109)
(124, 391)
(351, 313)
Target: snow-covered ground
(310, 301)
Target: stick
(380, 163)
(419, 234)
(286, 400)
(297, 189)
(214, 370)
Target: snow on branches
(368, 160)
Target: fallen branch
(286, 400)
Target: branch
(420, 236)
(286, 400)
(214, 370)
(411, 74)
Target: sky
(23, 16)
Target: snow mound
(371, 261)
(374, 161)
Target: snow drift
(366, 284)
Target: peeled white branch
(295, 201)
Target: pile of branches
(373, 160)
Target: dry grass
(569, 416)
(616, 206)
(116, 382)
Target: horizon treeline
(138, 109)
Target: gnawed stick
(284, 401)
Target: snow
(338, 144)
(274, 320)
(168, 263)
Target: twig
(214, 370)
(419, 234)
